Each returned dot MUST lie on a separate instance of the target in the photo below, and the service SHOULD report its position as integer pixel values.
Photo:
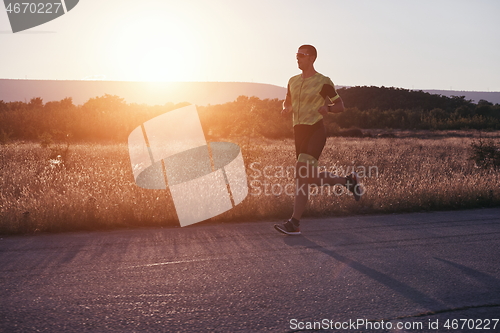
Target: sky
(425, 44)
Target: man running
(310, 96)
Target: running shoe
(353, 185)
(288, 228)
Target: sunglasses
(302, 55)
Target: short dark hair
(310, 50)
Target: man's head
(306, 56)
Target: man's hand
(323, 110)
(286, 110)
(338, 107)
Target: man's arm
(335, 106)
(287, 103)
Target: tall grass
(93, 188)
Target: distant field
(94, 188)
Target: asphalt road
(404, 270)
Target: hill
(151, 93)
(159, 93)
(475, 96)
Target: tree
(36, 103)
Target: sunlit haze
(419, 44)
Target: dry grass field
(93, 188)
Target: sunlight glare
(155, 50)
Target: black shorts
(310, 139)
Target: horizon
(263, 83)
(382, 44)
(159, 93)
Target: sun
(161, 63)
(154, 49)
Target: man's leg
(307, 174)
(302, 172)
(327, 178)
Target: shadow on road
(493, 284)
(388, 281)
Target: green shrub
(486, 154)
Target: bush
(4, 137)
(110, 119)
(486, 155)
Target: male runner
(310, 96)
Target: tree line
(109, 118)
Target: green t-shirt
(308, 95)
